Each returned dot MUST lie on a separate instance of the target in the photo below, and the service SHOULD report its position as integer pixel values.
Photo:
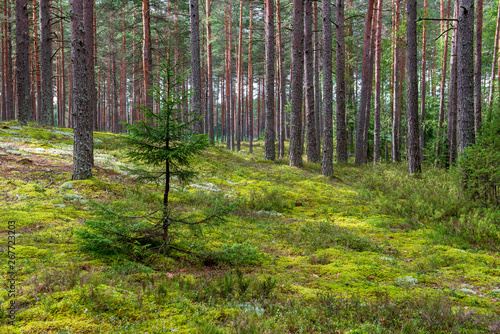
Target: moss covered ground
(302, 253)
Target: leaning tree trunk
(412, 88)
(24, 103)
(270, 152)
(465, 78)
(82, 148)
(46, 105)
(196, 107)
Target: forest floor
(302, 253)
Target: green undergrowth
(367, 251)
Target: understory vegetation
(370, 250)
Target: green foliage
(234, 255)
(165, 139)
(480, 165)
(268, 199)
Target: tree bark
(7, 73)
(88, 22)
(414, 166)
(239, 74)
(317, 86)
(46, 105)
(396, 154)
(442, 89)
(82, 149)
(477, 69)
(494, 61)
(210, 111)
(340, 86)
(23, 78)
(250, 82)
(423, 85)
(453, 102)
(196, 106)
(36, 86)
(327, 159)
(123, 75)
(311, 136)
(465, 78)
(270, 152)
(378, 79)
(147, 58)
(297, 82)
(361, 135)
(282, 89)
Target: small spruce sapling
(166, 139)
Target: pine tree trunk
(317, 87)
(196, 106)
(423, 85)
(250, 82)
(270, 152)
(453, 103)
(327, 159)
(495, 56)
(361, 135)
(378, 79)
(465, 78)
(239, 69)
(210, 111)
(442, 90)
(36, 92)
(282, 87)
(123, 75)
(147, 58)
(477, 69)
(312, 151)
(396, 154)
(88, 22)
(412, 88)
(297, 82)
(23, 78)
(340, 86)
(9, 93)
(46, 105)
(135, 93)
(82, 149)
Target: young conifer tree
(163, 139)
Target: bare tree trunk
(282, 89)
(477, 69)
(88, 23)
(465, 78)
(396, 154)
(414, 166)
(378, 79)
(340, 86)
(82, 149)
(123, 75)
(23, 78)
(297, 83)
(424, 85)
(270, 152)
(312, 150)
(361, 135)
(196, 106)
(327, 159)
(239, 74)
(46, 105)
(36, 93)
(7, 75)
(495, 56)
(250, 81)
(317, 87)
(443, 87)
(147, 58)
(452, 106)
(211, 132)
(135, 92)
